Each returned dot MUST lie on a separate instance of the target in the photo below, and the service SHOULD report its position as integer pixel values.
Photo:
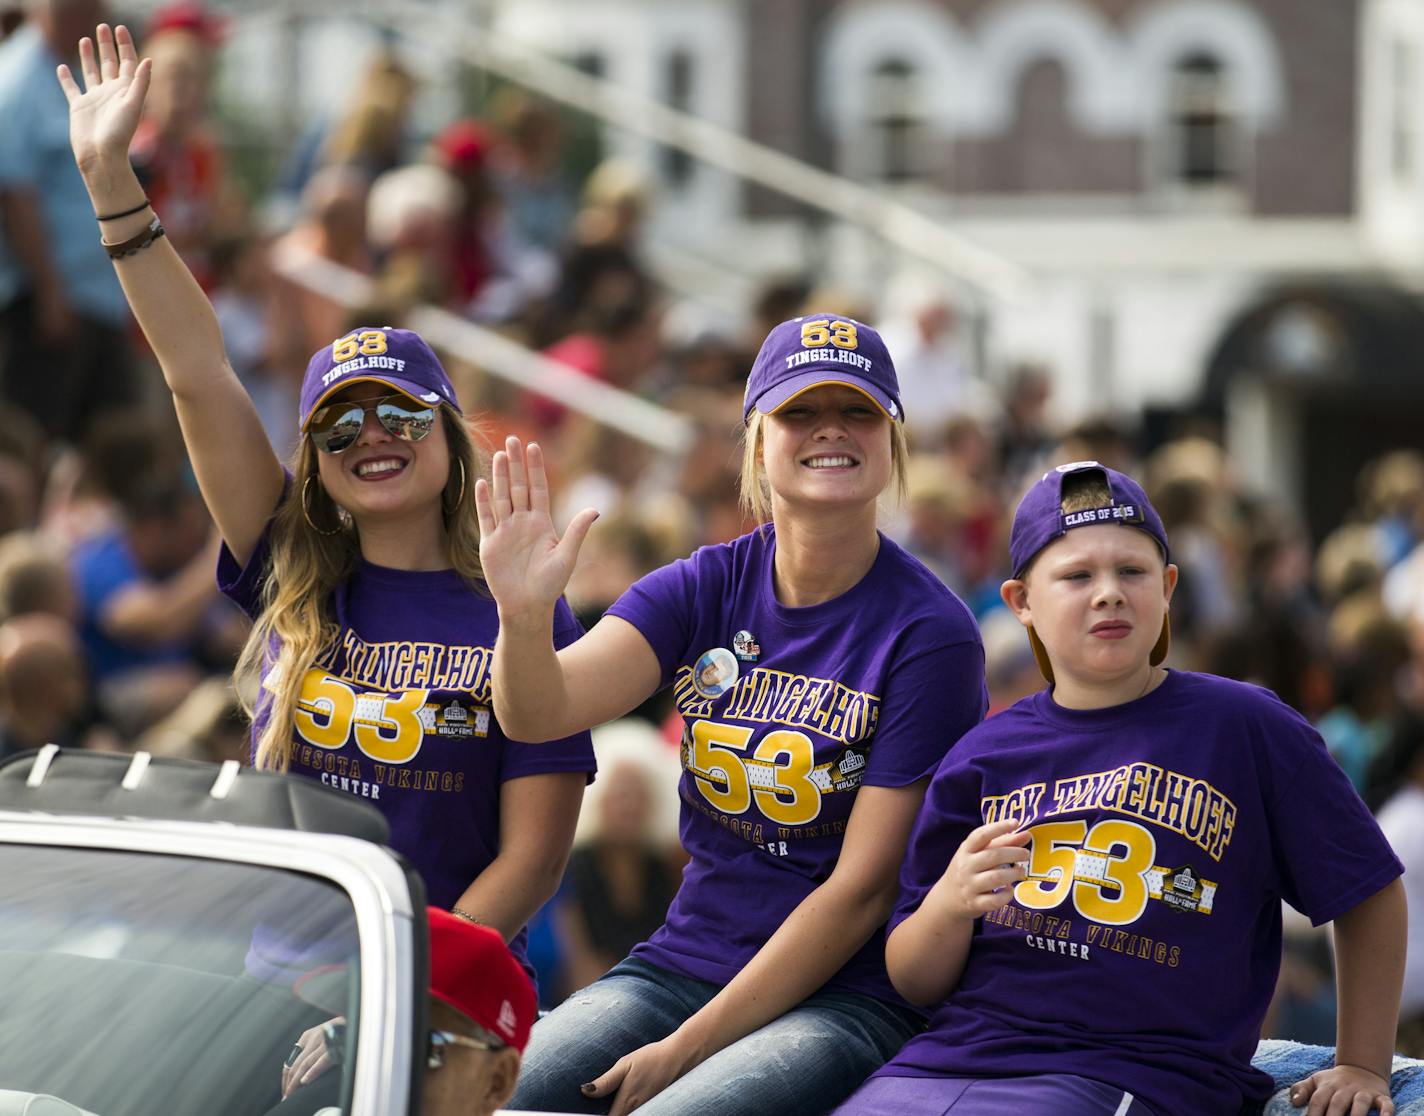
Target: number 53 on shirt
(1110, 871)
(387, 726)
(776, 775)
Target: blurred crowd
(113, 635)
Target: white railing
(465, 29)
(917, 235)
(913, 233)
(664, 430)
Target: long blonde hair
(755, 493)
(305, 568)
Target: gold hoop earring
(306, 511)
(460, 461)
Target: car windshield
(137, 984)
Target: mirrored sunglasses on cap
(335, 427)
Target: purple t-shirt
(1143, 949)
(398, 712)
(787, 711)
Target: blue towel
(1289, 1062)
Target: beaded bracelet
(466, 915)
(126, 213)
(136, 243)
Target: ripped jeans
(802, 1064)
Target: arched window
(1204, 146)
(1041, 103)
(896, 119)
(1043, 143)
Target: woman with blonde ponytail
(822, 673)
(374, 631)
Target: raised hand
(981, 876)
(105, 113)
(526, 565)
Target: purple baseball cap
(818, 349)
(1040, 520)
(396, 358)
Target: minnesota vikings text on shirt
(385, 697)
(1108, 872)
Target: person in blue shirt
(64, 355)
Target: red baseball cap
(191, 16)
(462, 145)
(472, 970)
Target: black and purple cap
(817, 349)
(396, 358)
(1040, 517)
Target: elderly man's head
(481, 1008)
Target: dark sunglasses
(335, 427)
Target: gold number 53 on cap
(823, 331)
(369, 342)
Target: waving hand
(237, 470)
(526, 564)
(104, 115)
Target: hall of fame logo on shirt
(1182, 889)
(844, 772)
(455, 720)
(714, 673)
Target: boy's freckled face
(1096, 598)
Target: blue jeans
(802, 1064)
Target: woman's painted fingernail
(586, 1088)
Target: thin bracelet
(466, 915)
(126, 213)
(136, 243)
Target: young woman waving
(822, 673)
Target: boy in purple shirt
(1092, 891)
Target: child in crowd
(1092, 891)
